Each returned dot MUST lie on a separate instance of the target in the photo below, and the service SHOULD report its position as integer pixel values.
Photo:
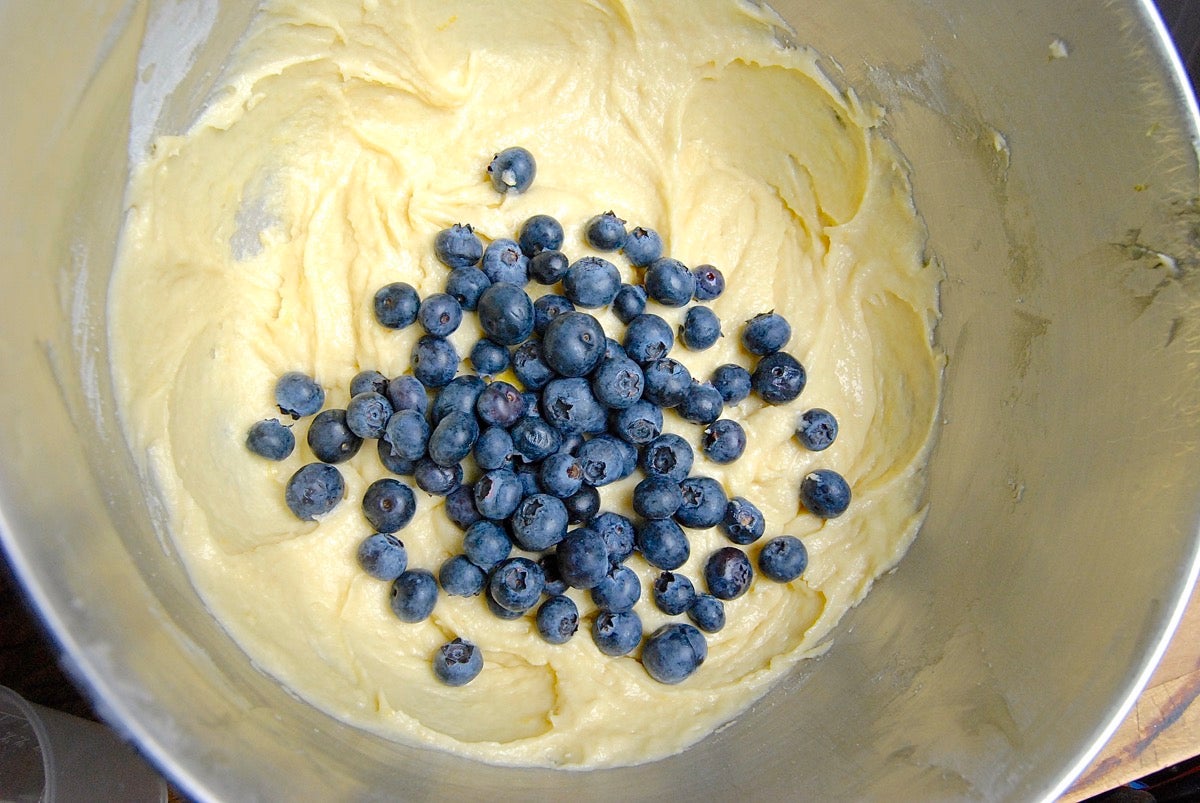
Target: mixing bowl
(1053, 149)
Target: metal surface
(1054, 159)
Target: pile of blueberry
(588, 412)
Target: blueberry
(534, 439)
(825, 493)
(573, 344)
(466, 285)
(396, 305)
(298, 394)
(603, 461)
(817, 429)
(605, 232)
(458, 246)
(582, 505)
(529, 366)
(383, 556)
(516, 583)
(778, 378)
(561, 474)
(506, 314)
(539, 522)
(270, 439)
(439, 314)
(570, 407)
(728, 573)
(673, 593)
(558, 619)
(500, 404)
(407, 432)
(617, 532)
(434, 361)
(453, 438)
(512, 170)
(460, 577)
(732, 382)
(629, 454)
(414, 593)
(618, 591)
(540, 233)
(629, 302)
(703, 505)
(783, 558)
(657, 498)
(582, 558)
(367, 414)
(435, 479)
(548, 307)
(616, 633)
(460, 507)
(662, 543)
(497, 494)
(548, 267)
(639, 423)
(673, 652)
(618, 382)
(668, 455)
(667, 382)
(571, 443)
(723, 441)
(707, 612)
(457, 662)
(710, 282)
(527, 473)
(365, 381)
(555, 585)
(669, 282)
(766, 333)
(486, 543)
(648, 338)
(407, 393)
(701, 404)
(642, 246)
(389, 505)
(700, 329)
(591, 282)
(391, 461)
(504, 262)
(330, 437)
(489, 358)
(497, 610)
(493, 448)
(459, 396)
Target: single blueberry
(486, 543)
(435, 479)
(407, 393)
(396, 305)
(732, 382)
(613, 349)
(582, 558)
(534, 439)
(743, 523)
(439, 314)
(648, 338)
(460, 395)
(728, 573)
(673, 593)
(453, 438)
(571, 443)
(298, 394)
(766, 333)
(458, 246)
(668, 455)
(367, 414)
(555, 585)
(330, 437)
(618, 382)
(629, 302)
(457, 662)
(617, 532)
(558, 619)
(662, 543)
(516, 583)
(710, 282)
(783, 558)
(493, 448)
(657, 498)
(701, 404)
(703, 505)
(498, 610)
(642, 246)
(497, 494)
(707, 612)
(434, 361)
(669, 282)
(561, 474)
(629, 454)
(383, 556)
(414, 593)
(460, 507)
(539, 522)
(723, 441)
(591, 282)
(466, 285)
(569, 406)
(617, 633)
(270, 439)
(540, 233)
(619, 590)
(701, 328)
(825, 493)
(548, 267)
(573, 344)
(500, 404)
(365, 381)
(460, 577)
(639, 423)
(504, 262)
(673, 652)
(528, 474)
(389, 505)
(391, 461)
(506, 314)
(529, 366)
(582, 505)
(667, 382)
(407, 432)
(602, 459)
(512, 170)
(817, 429)
(778, 378)
(605, 232)
(489, 358)
(548, 307)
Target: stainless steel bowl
(1054, 154)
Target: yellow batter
(344, 135)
